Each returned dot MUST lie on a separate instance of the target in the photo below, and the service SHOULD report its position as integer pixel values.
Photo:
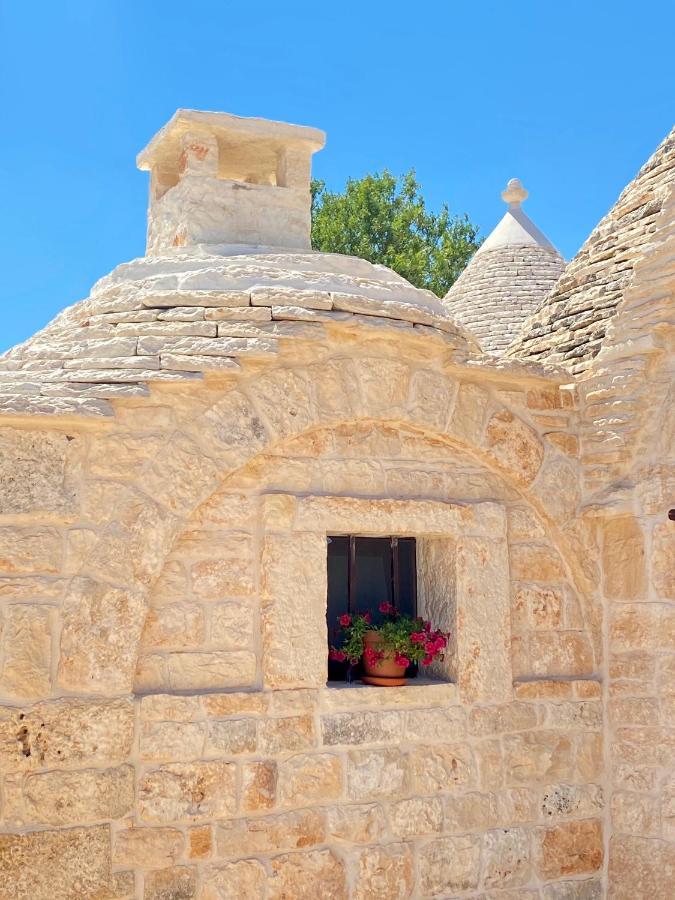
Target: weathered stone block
(376, 773)
(234, 881)
(361, 728)
(640, 867)
(38, 471)
(514, 446)
(449, 865)
(177, 626)
(26, 550)
(171, 741)
(361, 823)
(483, 619)
(258, 785)
(623, 559)
(99, 641)
(443, 768)
(561, 801)
(310, 778)
(73, 798)
(210, 669)
(536, 755)
(663, 561)
(560, 653)
(588, 889)
(384, 872)
(537, 607)
(66, 733)
(416, 816)
(270, 834)
(289, 733)
(488, 720)
(574, 848)
(535, 562)
(437, 725)
(297, 875)
(175, 883)
(231, 737)
(506, 858)
(28, 870)
(27, 641)
(200, 842)
(147, 847)
(187, 792)
(220, 579)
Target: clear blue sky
(571, 97)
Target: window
(363, 572)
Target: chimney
(222, 179)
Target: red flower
(418, 637)
(427, 626)
(387, 608)
(371, 656)
(366, 618)
(430, 647)
(345, 620)
(401, 660)
(337, 655)
(427, 660)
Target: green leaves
(384, 219)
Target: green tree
(384, 219)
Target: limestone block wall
(166, 730)
(639, 587)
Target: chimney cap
(164, 148)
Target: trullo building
(232, 432)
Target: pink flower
(401, 660)
(386, 608)
(372, 657)
(430, 647)
(337, 655)
(418, 637)
(427, 660)
(345, 620)
(366, 618)
(427, 626)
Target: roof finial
(515, 193)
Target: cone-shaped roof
(571, 324)
(507, 279)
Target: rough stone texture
(165, 724)
(572, 322)
(62, 865)
(500, 289)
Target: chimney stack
(226, 180)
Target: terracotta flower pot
(385, 672)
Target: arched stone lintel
(260, 415)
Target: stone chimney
(222, 179)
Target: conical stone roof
(570, 327)
(507, 279)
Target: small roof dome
(507, 279)
(228, 272)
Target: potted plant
(389, 648)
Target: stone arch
(105, 606)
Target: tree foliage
(384, 219)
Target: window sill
(419, 692)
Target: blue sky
(571, 97)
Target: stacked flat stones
(179, 316)
(507, 279)
(570, 327)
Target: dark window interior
(362, 573)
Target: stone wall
(166, 729)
